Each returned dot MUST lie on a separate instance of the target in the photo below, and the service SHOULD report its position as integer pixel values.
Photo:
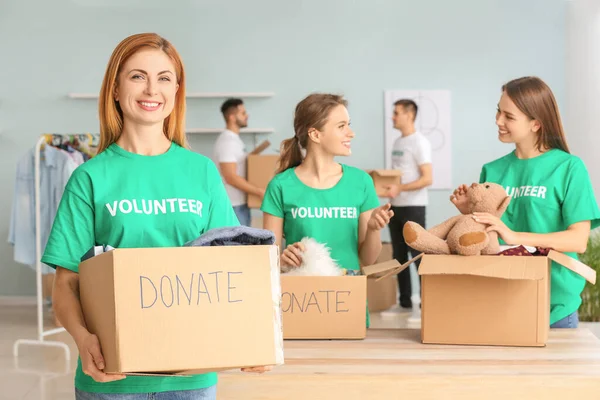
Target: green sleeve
(72, 233)
(273, 201)
(579, 202)
(482, 175)
(221, 212)
(371, 200)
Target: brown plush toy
(462, 234)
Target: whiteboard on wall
(433, 121)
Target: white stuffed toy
(316, 261)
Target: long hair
(312, 112)
(534, 98)
(111, 116)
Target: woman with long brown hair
(553, 203)
(315, 196)
(142, 160)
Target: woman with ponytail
(330, 202)
(291, 154)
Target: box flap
(261, 147)
(504, 267)
(574, 265)
(386, 269)
(386, 172)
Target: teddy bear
(462, 234)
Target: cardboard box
(383, 178)
(327, 307)
(261, 169)
(489, 300)
(184, 310)
(382, 294)
(387, 253)
(261, 147)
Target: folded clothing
(229, 236)
(234, 236)
(523, 251)
(96, 250)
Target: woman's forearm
(370, 248)
(565, 241)
(67, 306)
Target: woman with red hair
(144, 160)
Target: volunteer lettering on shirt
(135, 211)
(526, 191)
(329, 216)
(148, 207)
(562, 184)
(324, 212)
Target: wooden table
(393, 364)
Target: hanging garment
(76, 155)
(56, 167)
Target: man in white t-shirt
(230, 155)
(411, 154)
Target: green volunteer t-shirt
(549, 193)
(330, 216)
(127, 200)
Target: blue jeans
(209, 393)
(243, 214)
(570, 321)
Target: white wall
(582, 117)
(291, 47)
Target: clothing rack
(55, 140)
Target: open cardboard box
(383, 178)
(328, 307)
(382, 294)
(489, 300)
(184, 310)
(261, 169)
